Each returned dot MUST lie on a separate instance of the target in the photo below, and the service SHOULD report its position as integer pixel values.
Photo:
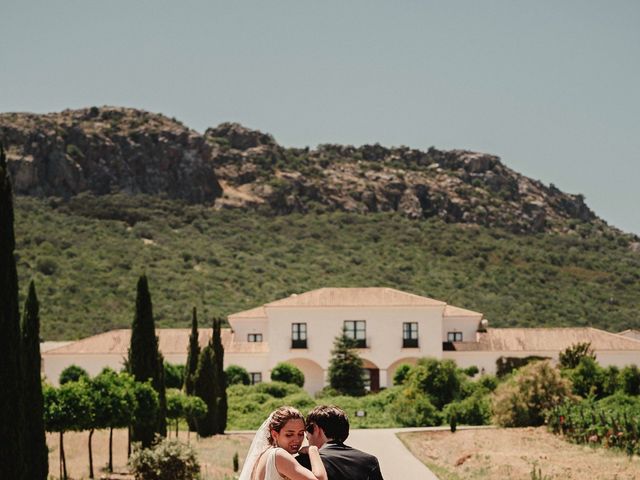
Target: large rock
(106, 150)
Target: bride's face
(290, 436)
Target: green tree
(174, 375)
(237, 375)
(345, 367)
(210, 385)
(205, 388)
(146, 363)
(630, 380)
(441, 380)
(73, 373)
(37, 454)
(192, 363)
(66, 409)
(401, 374)
(220, 377)
(147, 407)
(194, 409)
(12, 424)
(588, 378)
(523, 400)
(571, 356)
(175, 406)
(287, 373)
(192, 355)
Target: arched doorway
(313, 374)
(371, 375)
(391, 369)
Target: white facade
(394, 328)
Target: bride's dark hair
(280, 417)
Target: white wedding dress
(272, 471)
(260, 446)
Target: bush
(167, 460)
(587, 378)
(287, 373)
(474, 410)
(237, 375)
(441, 380)
(412, 408)
(276, 389)
(73, 373)
(401, 374)
(524, 399)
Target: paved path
(396, 462)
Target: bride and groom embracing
(277, 452)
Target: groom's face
(315, 435)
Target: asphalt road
(396, 462)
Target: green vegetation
(145, 362)
(287, 373)
(167, 460)
(85, 254)
(345, 367)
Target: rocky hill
(106, 150)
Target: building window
(298, 335)
(256, 377)
(357, 330)
(454, 337)
(254, 337)
(410, 335)
(366, 378)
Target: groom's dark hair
(332, 420)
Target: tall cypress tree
(220, 378)
(11, 402)
(192, 363)
(36, 455)
(205, 388)
(192, 356)
(145, 362)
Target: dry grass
(215, 454)
(497, 454)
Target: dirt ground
(498, 454)
(215, 454)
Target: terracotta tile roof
(631, 333)
(355, 297)
(171, 341)
(451, 311)
(546, 339)
(46, 346)
(257, 312)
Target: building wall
(244, 326)
(467, 325)
(383, 333)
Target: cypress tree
(192, 356)
(36, 455)
(192, 363)
(205, 388)
(220, 378)
(145, 362)
(11, 403)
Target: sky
(552, 87)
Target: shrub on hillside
(167, 460)
(523, 400)
(287, 373)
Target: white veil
(259, 444)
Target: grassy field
(498, 454)
(86, 256)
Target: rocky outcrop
(107, 150)
(457, 185)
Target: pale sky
(552, 87)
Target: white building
(390, 326)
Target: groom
(327, 429)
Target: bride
(271, 453)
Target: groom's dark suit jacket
(345, 463)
